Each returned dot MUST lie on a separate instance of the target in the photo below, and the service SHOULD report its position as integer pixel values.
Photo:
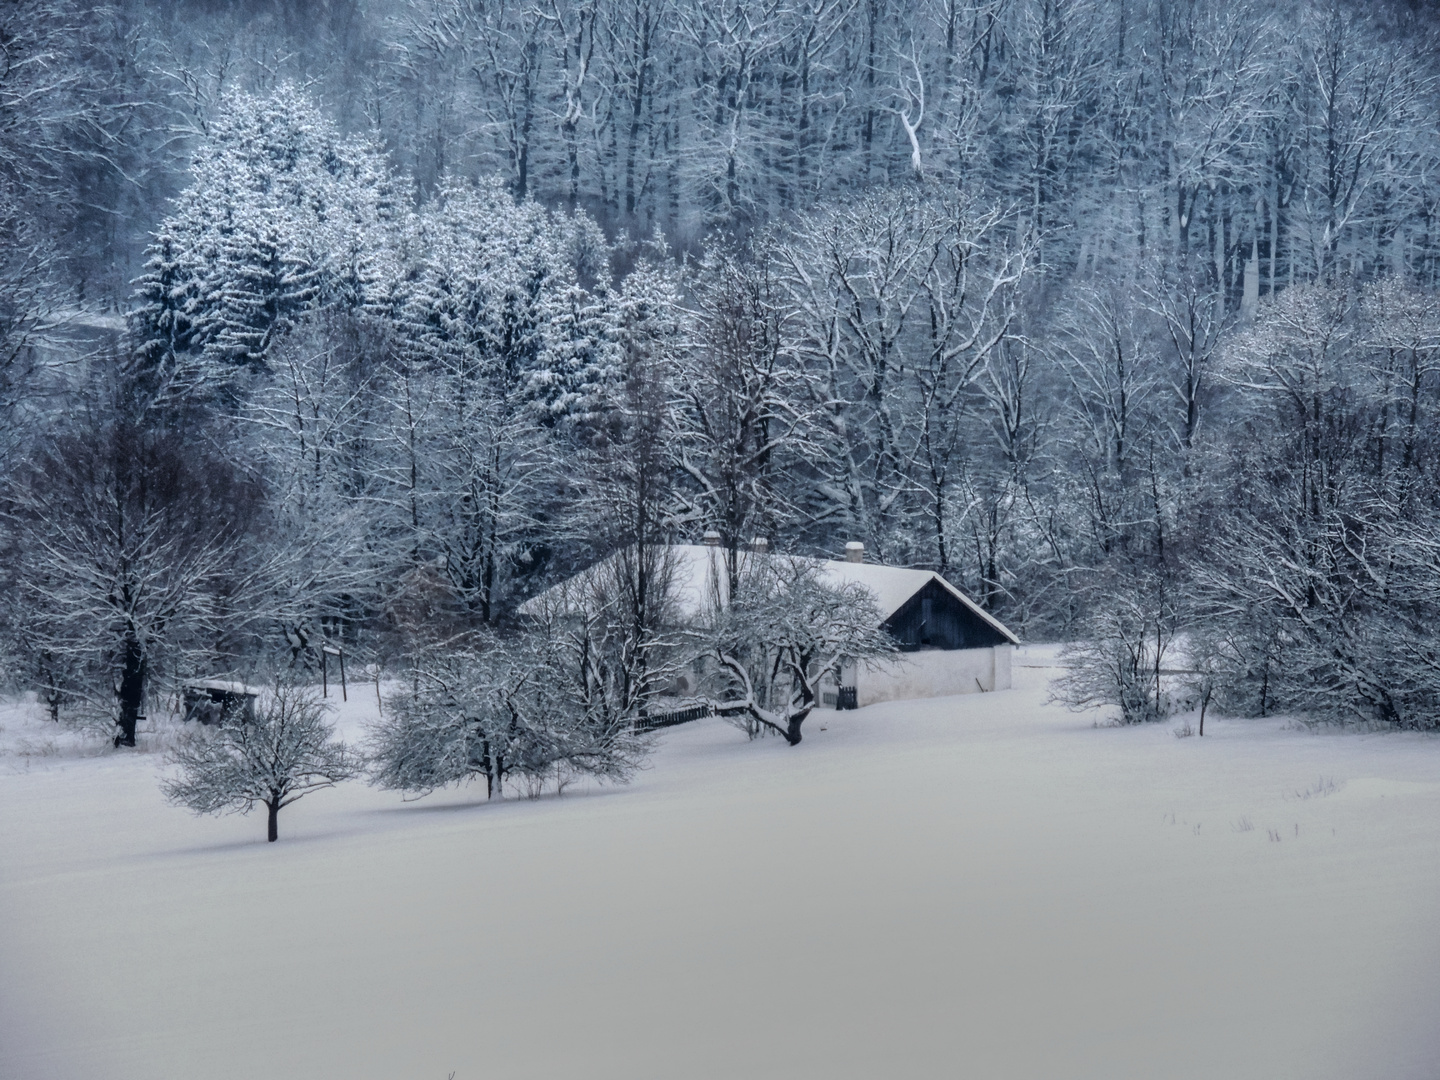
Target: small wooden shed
(213, 701)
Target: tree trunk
(131, 693)
(494, 780)
(272, 825)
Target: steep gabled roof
(893, 585)
(699, 581)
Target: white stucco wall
(1004, 654)
(935, 673)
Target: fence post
(339, 654)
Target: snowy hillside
(984, 886)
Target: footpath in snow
(984, 886)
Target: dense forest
(362, 322)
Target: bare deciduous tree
(281, 755)
(765, 651)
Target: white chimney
(711, 538)
(760, 545)
(854, 551)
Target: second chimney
(711, 538)
(854, 551)
(760, 545)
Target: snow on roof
(699, 580)
(893, 585)
(700, 577)
(222, 686)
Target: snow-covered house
(948, 643)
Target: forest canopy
(366, 322)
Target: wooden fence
(656, 721)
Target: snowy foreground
(971, 887)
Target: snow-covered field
(982, 886)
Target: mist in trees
(366, 324)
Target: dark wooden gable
(934, 619)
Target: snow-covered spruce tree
(282, 215)
(582, 362)
(507, 290)
(497, 343)
(785, 629)
(623, 504)
(500, 707)
(261, 282)
(284, 753)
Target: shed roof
(222, 686)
